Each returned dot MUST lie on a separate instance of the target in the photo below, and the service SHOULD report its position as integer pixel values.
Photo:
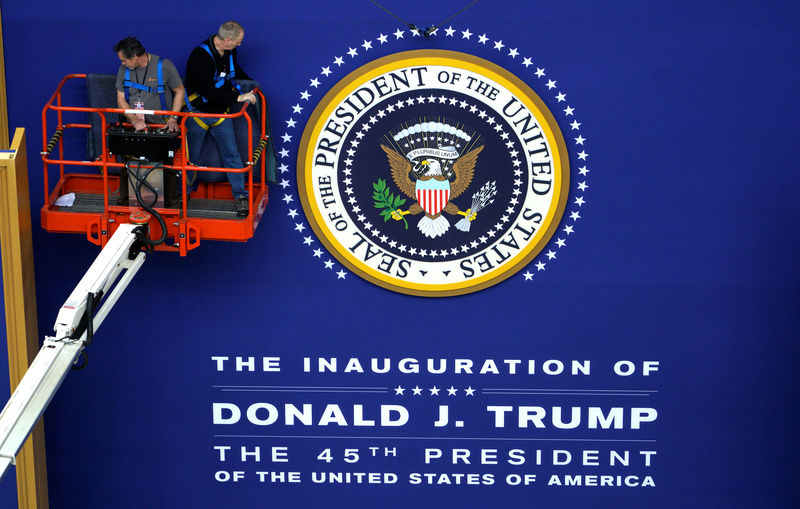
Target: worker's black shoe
(241, 206)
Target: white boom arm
(59, 353)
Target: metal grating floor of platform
(197, 207)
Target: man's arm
(173, 81)
(178, 93)
(138, 123)
(240, 74)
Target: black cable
(431, 29)
(90, 298)
(434, 27)
(393, 15)
(412, 26)
(141, 180)
(78, 367)
(89, 318)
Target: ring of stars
(575, 138)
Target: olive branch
(387, 201)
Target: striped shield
(433, 194)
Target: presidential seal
(433, 173)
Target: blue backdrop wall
(682, 258)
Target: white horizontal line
(566, 393)
(444, 438)
(307, 390)
(560, 390)
(291, 387)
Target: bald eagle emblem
(435, 174)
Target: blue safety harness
(158, 89)
(220, 78)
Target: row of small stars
(482, 39)
(582, 155)
(575, 125)
(434, 391)
(568, 229)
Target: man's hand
(139, 124)
(172, 124)
(249, 96)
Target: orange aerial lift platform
(92, 186)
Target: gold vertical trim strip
(4, 132)
(19, 289)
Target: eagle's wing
(401, 167)
(464, 168)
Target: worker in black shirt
(210, 88)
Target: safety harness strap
(158, 89)
(202, 122)
(220, 77)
